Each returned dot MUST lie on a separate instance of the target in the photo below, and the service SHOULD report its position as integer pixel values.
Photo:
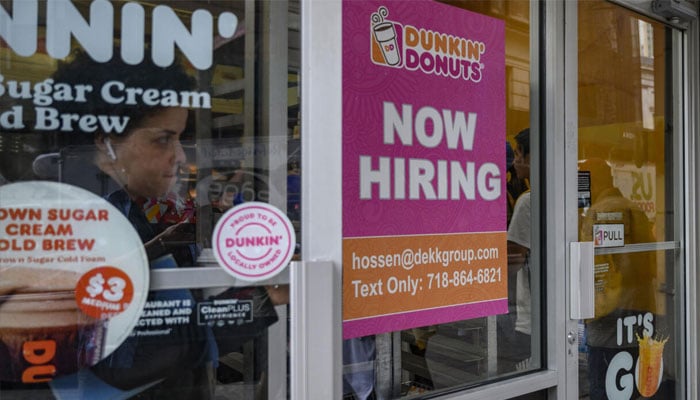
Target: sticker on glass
(73, 280)
(253, 241)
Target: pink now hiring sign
(424, 200)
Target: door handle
(581, 283)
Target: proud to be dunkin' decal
(424, 208)
(73, 280)
(254, 241)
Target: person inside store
(129, 169)
(624, 282)
(515, 187)
(514, 347)
(359, 358)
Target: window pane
(429, 359)
(170, 111)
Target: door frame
(685, 58)
(322, 206)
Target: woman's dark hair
(523, 141)
(81, 69)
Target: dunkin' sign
(254, 241)
(424, 205)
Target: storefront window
(167, 117)
(432, 357)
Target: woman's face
(149, 157)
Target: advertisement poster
(424, 204)
(73, 280)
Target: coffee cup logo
(384, 37)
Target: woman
(131, 166)
(145, 163)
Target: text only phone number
(480, 276)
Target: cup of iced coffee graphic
(43, 333)
(650, 364)
(385, 35)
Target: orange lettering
(412, 38)
(38, 373)
(39, 351)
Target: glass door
(630, 177)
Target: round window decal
(254, 241)
(73, 280)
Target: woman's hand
(279, 294)
(175, 235)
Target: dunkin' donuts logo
(253, 241)
(418, 49)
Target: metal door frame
(316, 370)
